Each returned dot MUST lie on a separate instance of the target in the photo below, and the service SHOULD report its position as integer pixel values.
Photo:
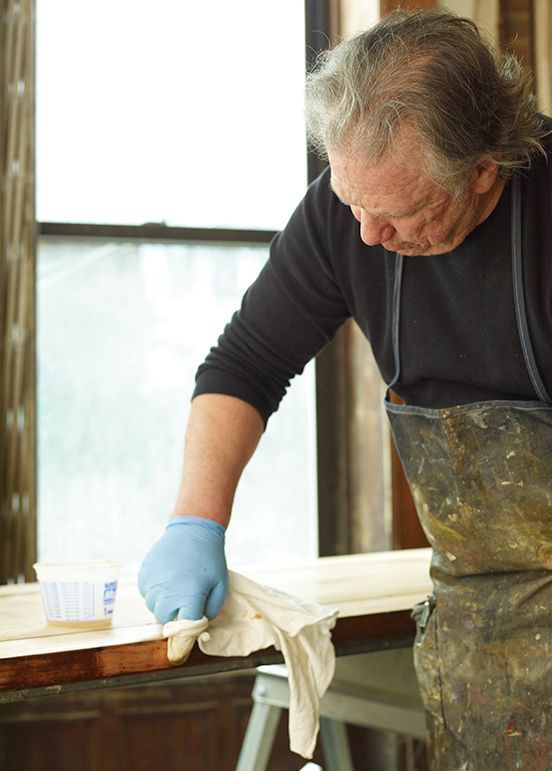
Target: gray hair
(434, 71)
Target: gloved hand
(184, 574)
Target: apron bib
(481, 478)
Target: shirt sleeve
(291, 311)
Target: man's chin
(420, 250)
(408, 249)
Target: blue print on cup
(110, 589)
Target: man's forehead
(378, 192)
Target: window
(179, 112)
(187, 114)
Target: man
(431, 227)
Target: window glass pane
(122, 327)
(181, 112)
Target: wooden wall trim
(17, 293)
(516, 30)
(386, 6)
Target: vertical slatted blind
(17, 288)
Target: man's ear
(485, 173)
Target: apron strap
(396, 319)
(519, 302)
(519, 296)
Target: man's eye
(402, 216)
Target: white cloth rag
(255, 617)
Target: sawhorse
(376, 690)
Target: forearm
(222, 435)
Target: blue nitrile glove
(184, 574)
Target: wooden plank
(373, 593)
(53, 670)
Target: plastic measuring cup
(78, 593)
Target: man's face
(397, 205)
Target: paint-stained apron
(481, 478)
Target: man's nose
(375, 230)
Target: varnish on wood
(374, 594)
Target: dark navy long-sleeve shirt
(459, 338)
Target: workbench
(374, 594)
